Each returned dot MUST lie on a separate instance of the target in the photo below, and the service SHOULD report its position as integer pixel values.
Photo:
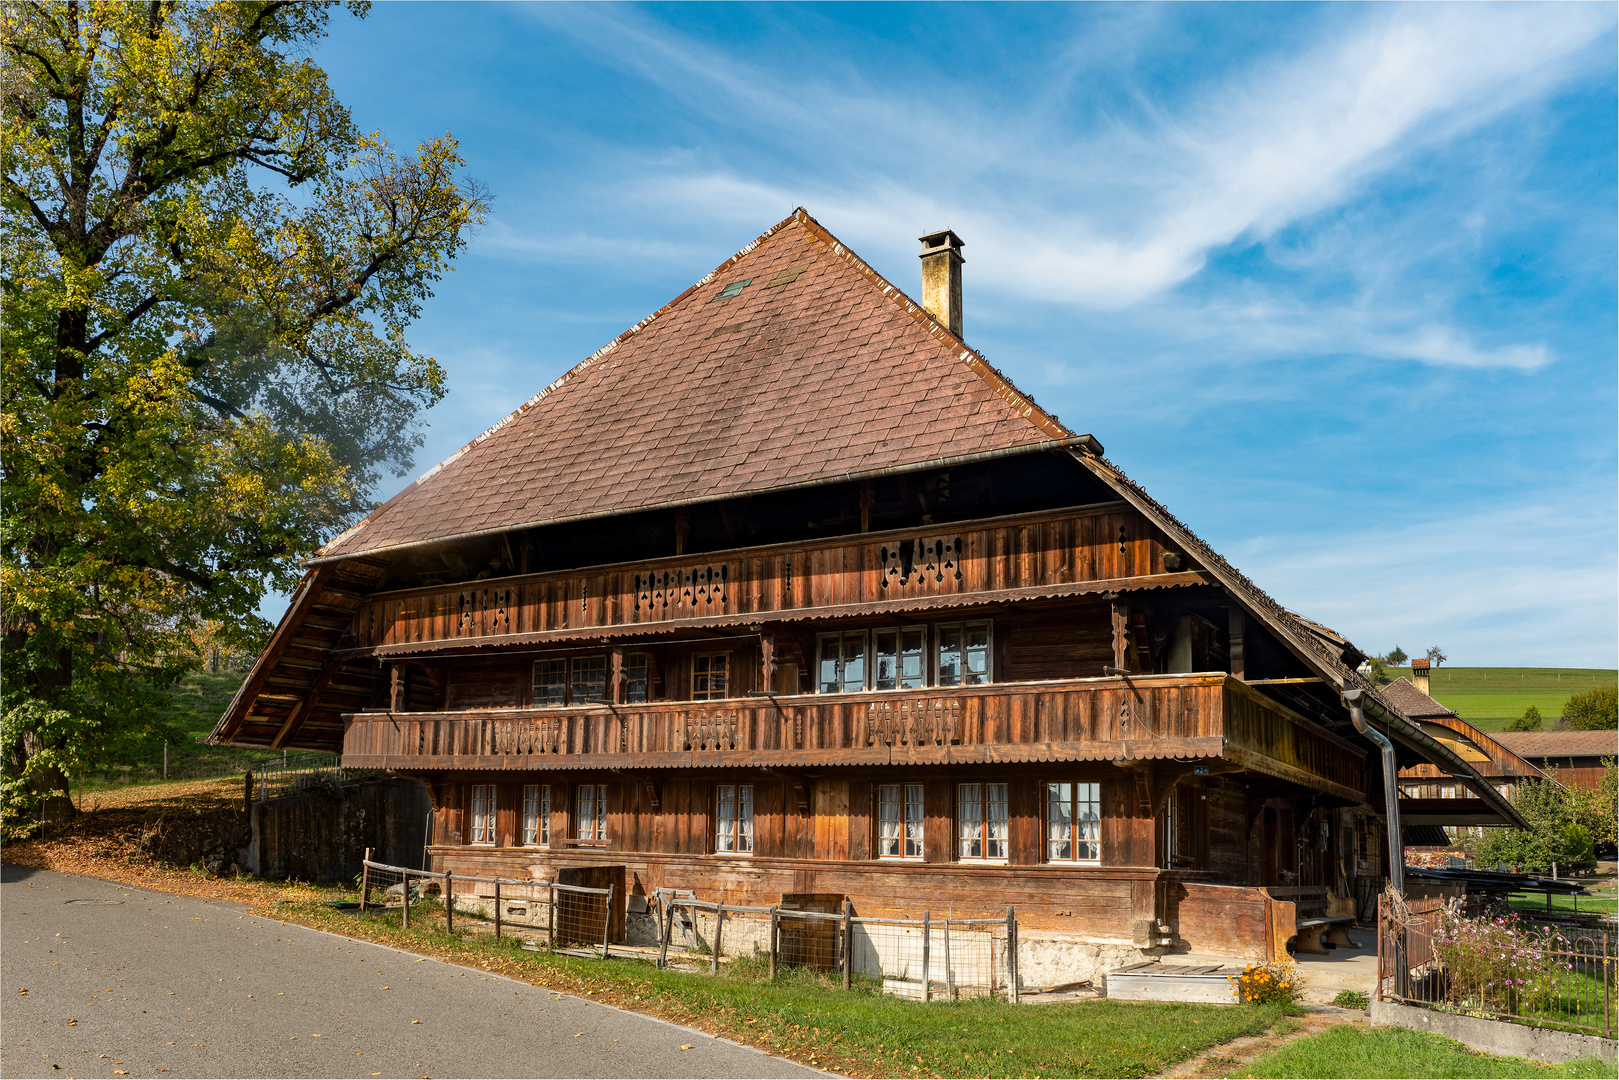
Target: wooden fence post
(449, 904)
(404, 905)
(719, 927)
(949, 973)
(848, 944)
(551, 918)
(1011, 957)
(497, 909)
(927, 983)
(668, 925)
(775, 929)
(607, 920)
(365, 877)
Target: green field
(199, 700)
(1491, 698)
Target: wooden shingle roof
(817, 367)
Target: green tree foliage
(1436, 656)
(1566, 824)
(1529, 721)
(1379, 673)
(1596, 709)
(208, 270)
(1396, 656)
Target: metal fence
(1494, 964)
(927, 959)
(571, 917)
(291, 773)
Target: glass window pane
(995, 838)
(977, 635)
(545, 814)
(744, 818)
(550, 682)
(635, 678)
(531, 813)
(1088, 818)
(887, 660)
(949, 655)
(913, 821)
(589, 680)
(890, 820)
(854, 663)
(725, 818)
(970, 815)
(1059, 822)
(913, 665)
(830, 676)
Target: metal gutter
(1086, 443)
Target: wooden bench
(1321, 921)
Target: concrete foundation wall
(1497, 1036)
(321, 834)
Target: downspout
(1391, 789)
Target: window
(843, 663)
(733, 288)
(1073, 823)
(636, 680)
(550, 682)
(899, 821)
(708, 676)
(1182, 825)
(963, 654)
(591, 824)
(901, 660)
(537, 814)
(589, 682)
(733, 820)
(483, 814)
(981, 820)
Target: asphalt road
(122, 981)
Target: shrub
(1497, 963)
(1352, 999)
(1529, 721)
(1274, 982)
(1596, 709)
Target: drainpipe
(1391, 789)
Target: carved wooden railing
(1072, 547)
(1150, 717)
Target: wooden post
(927, 983)
(668, 927)
(848, 944)
(404, 898)
(497, 909)
(1377, 991)
(1011, 956)
(449, 904)
(607, 920)
(949, 973)
(166, 769)
(365, 878)
(551, 916)
(775, 929)
(247, 792)
(719, 928)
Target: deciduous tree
(208, 272)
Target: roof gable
(815, 368)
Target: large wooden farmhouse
(788, 590)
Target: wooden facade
(898, 635)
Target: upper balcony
(1206, 717)
(1071, 552)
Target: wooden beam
(300, 709)
(290, 623)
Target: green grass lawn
(199, 700)
(1491, 698)
(1358, 1051)
(860, 1032)
(1601, 899)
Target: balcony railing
(1210, 716)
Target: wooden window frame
(709, 693)
(481, 824)
(875, 657)
(644, 680)
(1074, 800)
(984, 822)
(591, 828)
(937, 653)
(911, 848)
(574, 664)
(736, 827)
(842, 681)
(534, 689)
(540, 833)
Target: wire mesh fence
(288, 774)
(1496, 965)
(926, 959)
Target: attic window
(733, 288)
(787, 275)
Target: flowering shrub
(1274, 982)
(1498, 962)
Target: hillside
(1491, 698)
(199, 700)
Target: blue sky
(1336, 284)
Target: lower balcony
(1209, 717)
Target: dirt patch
(1228, 1058)
(178, 837)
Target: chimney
(941, 277)
(1419, 674)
